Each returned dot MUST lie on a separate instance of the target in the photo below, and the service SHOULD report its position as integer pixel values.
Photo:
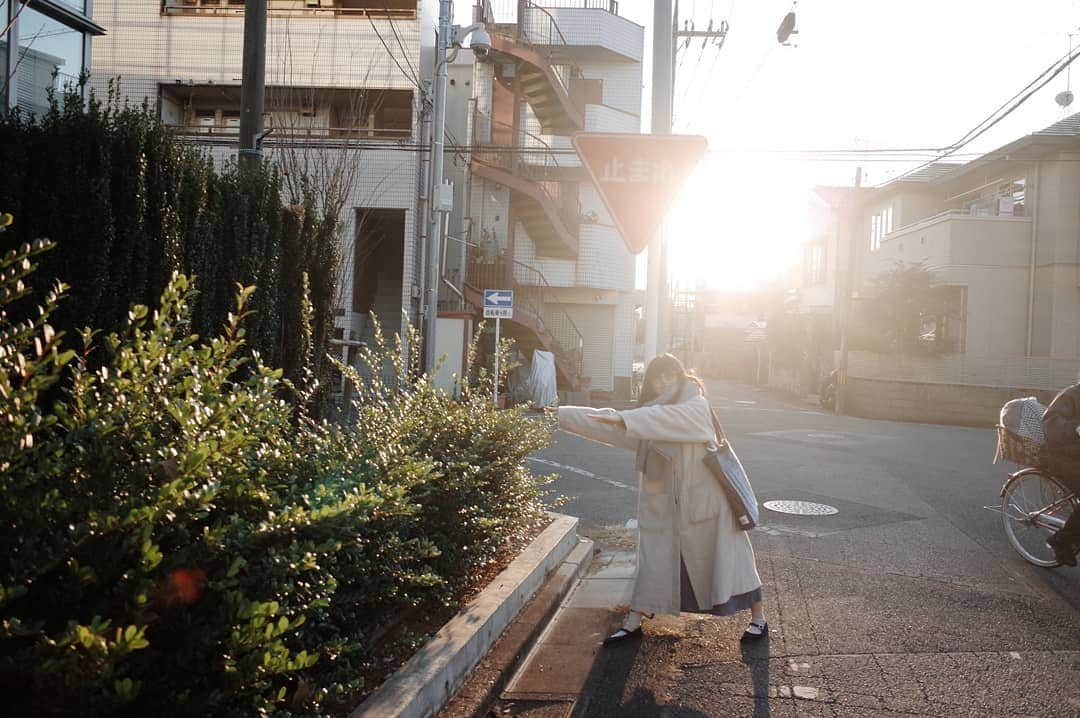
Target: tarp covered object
(543, 390)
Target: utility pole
(850, 228)
(665, 43)
(663, 74)
(438, 193)
(253, 87)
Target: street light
(450, 37)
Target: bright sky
(865, 74)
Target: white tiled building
(342, 77)
(555, 71)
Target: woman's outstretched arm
(582, 421)
(688, 422)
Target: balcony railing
(952, 214)
(611, 6)
(354, 8)
(297, 133)
(534, 160)
(535, 27)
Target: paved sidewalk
(845, 641)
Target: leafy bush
(179, 540)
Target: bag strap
(721, 437)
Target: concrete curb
(491, 676)
(421, 687)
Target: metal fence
(1014, 372)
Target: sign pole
(498, 322)
(498, 305)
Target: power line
(390, 52)
(401, 46)
(986, 125)
(807, 155)
(1067, 58)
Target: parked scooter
(827, 395)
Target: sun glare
(727, 237)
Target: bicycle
(1034, 503)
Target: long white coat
(681, 508)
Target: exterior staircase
(549, 208)
(531, 43)
(539, 322)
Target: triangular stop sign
(637, 176)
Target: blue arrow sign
(498, 298)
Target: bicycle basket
(1019, 449)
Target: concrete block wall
(954, 404)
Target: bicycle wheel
(1024, 498)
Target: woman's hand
(611, 419)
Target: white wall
(601, 29)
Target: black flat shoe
(1063, 551)
(622, 635)
(749, 635)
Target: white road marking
(773, 530)
(582, 472)
(776, 411)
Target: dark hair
(659, 366)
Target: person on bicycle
(1061, 423)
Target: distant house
(1001, 234)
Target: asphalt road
(911, 496)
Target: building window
(881, 224)
(815, 264)
(3, 48)
(944, 321)
(1007, 199)
(78, 5)
(52, 39)
(50, 60)
(292, 112)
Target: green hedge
(128, 205)
(178, 540)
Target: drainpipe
(1034, 246)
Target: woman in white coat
(691, 554)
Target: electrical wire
(401, 46)
(1067, 58)
(390, 52)
(1043, 79)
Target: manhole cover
(801, 508)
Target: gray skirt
(688, 602)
